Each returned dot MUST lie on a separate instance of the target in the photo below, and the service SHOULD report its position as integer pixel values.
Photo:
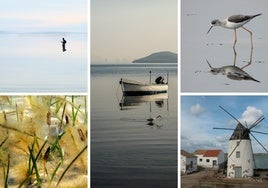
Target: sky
(200, 114)
(122, 31)
(43, 16)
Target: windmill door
(238, 171)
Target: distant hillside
(159, 57)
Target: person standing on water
(63, 44)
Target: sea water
(127, 150)
(35, 62)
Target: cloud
(202, 141)
(184, 137)
(196, 136)
(197, 109)
(250, 115)
(46, 19)
(223, 138)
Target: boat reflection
(155, 119)
(130, 102)
(232, 71)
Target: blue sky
(122, 31)
(199, 114)
(46, 16)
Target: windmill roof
(240, 132)
(208, 153)
(186, 154)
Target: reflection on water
(127, 101)
(153, 121)
(34, 62)
(133, 138)
(158, 100)
(232, 71)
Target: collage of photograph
(133, 94)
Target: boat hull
(133, 88)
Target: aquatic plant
(43, 141)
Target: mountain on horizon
(159, 57)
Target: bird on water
(152, 119)
(235, 22)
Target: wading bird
(234, 22)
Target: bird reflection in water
(154, 121)
(137, 102)
(232, 71)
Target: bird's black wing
(239, 18)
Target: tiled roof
(186, 154)
(208, 153)
(200, 152)
(212, 153)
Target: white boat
(134, 88)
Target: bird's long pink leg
(235, 41)
(251, 51)
(234, 57)
(250, 59)
(250, 36)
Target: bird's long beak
(213, 70)
(209, 64)
(209, 29)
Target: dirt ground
(193, 180)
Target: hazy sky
(200, 114)
(125, 30)
(49, 15)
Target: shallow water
(34, 125)
(34, 62)
(216, 47)
(126, 150)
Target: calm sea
(34, 62)
(126, 149)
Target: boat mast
(150, 77)
(167, 76)
(121, 83)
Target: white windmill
(240, 162)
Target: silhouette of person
(63, 44)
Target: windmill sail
(240, 154)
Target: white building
(240, 155)
(209, 158)
(188, 162)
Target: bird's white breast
(232, 25)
